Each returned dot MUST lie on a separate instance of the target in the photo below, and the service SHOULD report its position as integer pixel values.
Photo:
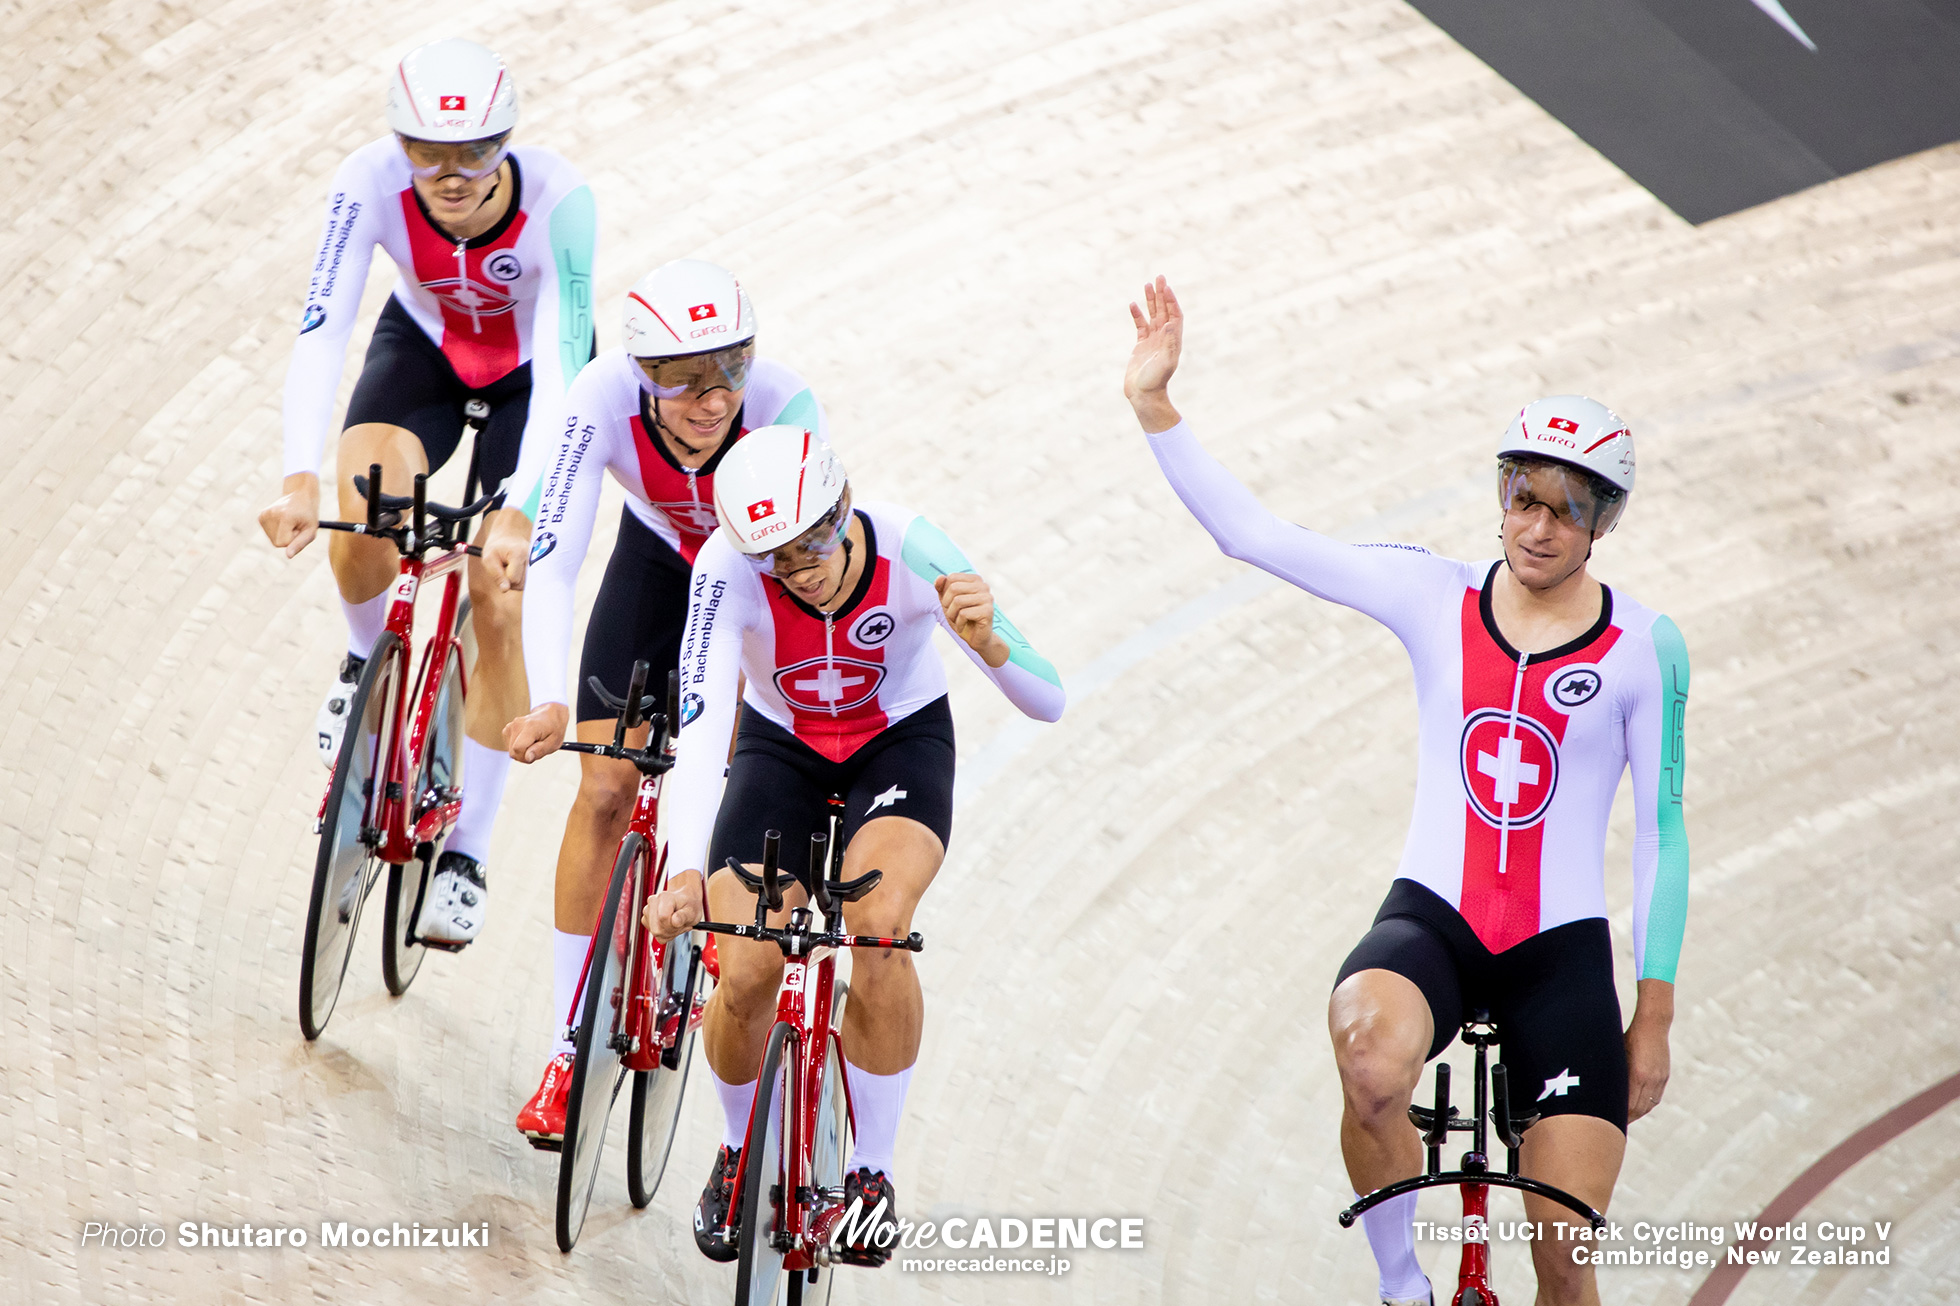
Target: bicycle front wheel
(760, 1279)
(596, 1069)
(437, 781)
(656, 1100)
(831, 1146)
(347, 866)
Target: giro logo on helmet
(762, 508)
(453, 104)
(701, 313)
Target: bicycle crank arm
(1452, 1178)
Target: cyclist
(660, 414)
(828, 610)
(490, 316)
(1536, 686)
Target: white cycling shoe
(453, 910)
(1428, 1299)
(331, 724)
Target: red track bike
(789, 1188)
(638, 1002)
(396, 788)
(1474, 1175)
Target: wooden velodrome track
(941, 210)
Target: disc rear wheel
(596, 1069)
(347, 866)
(760, 1279)
(656, 1101)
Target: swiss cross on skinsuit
(451, 103)
(701, 312)
(829, 684)
(1509, 770)
(1564, 424)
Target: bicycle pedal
(546, 1144)
(441, 945)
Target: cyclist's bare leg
(886, 1013)
(362, 567)
(1382, 1029)
(735, 1025)
(498, 692)
(606, 788)
(1582, 1155)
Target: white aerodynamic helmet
(1581, 433)
(774, 485)
(688, 306)
(450, 91)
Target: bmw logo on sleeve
(691, 705)
(312, 317)
(543, 544)
(1573, 686)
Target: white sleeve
(333, 297)
(571, 473)
(1391, 583)
(722, 605)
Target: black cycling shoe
(711, 1212)
(874, 1222)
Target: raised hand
(1160, 339)
(969, 608)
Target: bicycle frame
(1473, 1176)
(403, 829)
(806, 1011)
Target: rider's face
(452, 198)
(700, 420)
(1543, 547)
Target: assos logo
(543, 544)
(312, 317)
(873, 628)
(762, 508)
(701, 313)
(1573, 686)
(691, 705)
(503, 266)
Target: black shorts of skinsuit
(406, 381)
(1551, 996)
(641, 612)
(778, 782)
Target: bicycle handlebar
(658, 755)
(796, 942)
(384, 516)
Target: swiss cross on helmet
(688, 306)
(773, 485)
(1581, 433)
(451, 91)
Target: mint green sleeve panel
(574, 238)
(930, 553)
(802, 410)
(1667, 910)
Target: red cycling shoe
(543, 1118)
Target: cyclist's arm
(1389, 583)
(562, 507)
(1657, 757)
(1028, 679)
(721, 607)
(333, 297)
(562, 340)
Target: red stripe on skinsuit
(480, 350)
(799, 638)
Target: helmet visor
(1573, 497)
(470, 160)
(811, 548)
(670, 378)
